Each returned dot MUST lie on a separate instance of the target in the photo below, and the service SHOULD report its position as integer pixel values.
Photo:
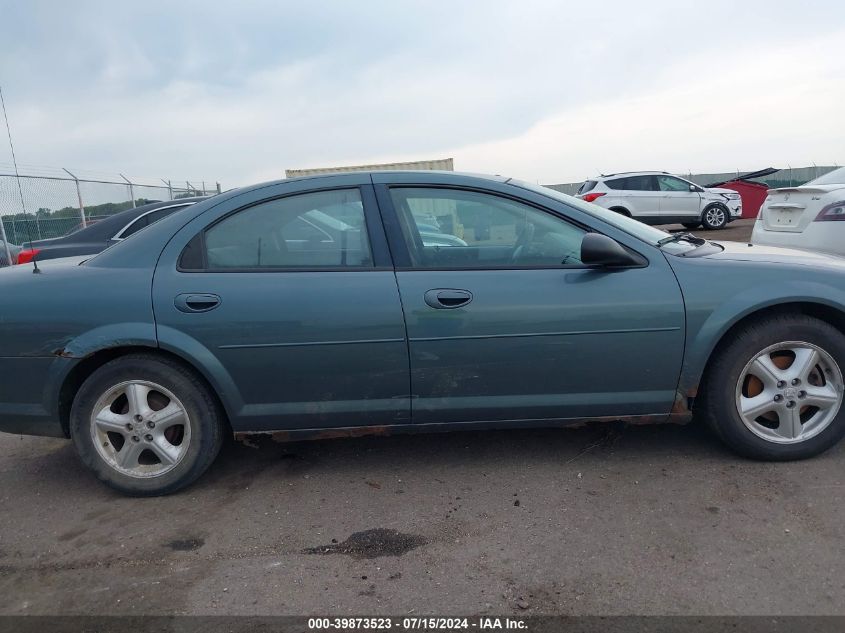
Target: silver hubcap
(715, 217)
(140, 429)
(789, 392)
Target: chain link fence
(57, 202)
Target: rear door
(507, 324)
(677, 202)
(637, 194)
(287, 297)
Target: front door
(504, 322)
(677, 202)
(291, 305)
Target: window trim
(396, 237)
(367, 202)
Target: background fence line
(59, 201)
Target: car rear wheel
(146, 425)
(715, 217)
(776, 392)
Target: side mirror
(603, 252)
(693, 188)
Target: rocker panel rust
(680, 414)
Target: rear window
(835, 177)
(587, 185)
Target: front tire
(146, 425)
(776, 391)
(691, 225)
(715, 217)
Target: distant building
(443, 164)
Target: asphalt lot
(602, 520)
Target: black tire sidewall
(720, 396)
(206, 425)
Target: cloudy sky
(546, 91)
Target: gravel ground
(602, 520)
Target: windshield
(835, 177)
(631, 226)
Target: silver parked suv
(657, 197)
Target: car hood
(740, 251)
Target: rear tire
(621, 211)
(146, 425)
(752, 382)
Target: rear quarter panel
(52, 320)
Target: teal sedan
(324, 307)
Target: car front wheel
(776, 391)
(715, 217)
(146, 425)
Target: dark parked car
(314, 308)
(99, 235)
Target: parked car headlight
(730, 196)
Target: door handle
(447, 298)
(189, 302)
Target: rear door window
(324, 229)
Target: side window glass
(640, 183)
(311, 230)
(669, 183)
(448, 228)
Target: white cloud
(532, 89)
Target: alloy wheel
(789, 392)
(715, 217)
(140, 429)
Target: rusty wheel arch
(91, 363)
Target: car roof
(634, 173)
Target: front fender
(708, 321)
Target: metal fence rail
(59, 201)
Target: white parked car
(658, 197)
(810, 217)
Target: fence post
(131, 190)
(78, 197)
(218, 187)
(169, 187)
(9, 261)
